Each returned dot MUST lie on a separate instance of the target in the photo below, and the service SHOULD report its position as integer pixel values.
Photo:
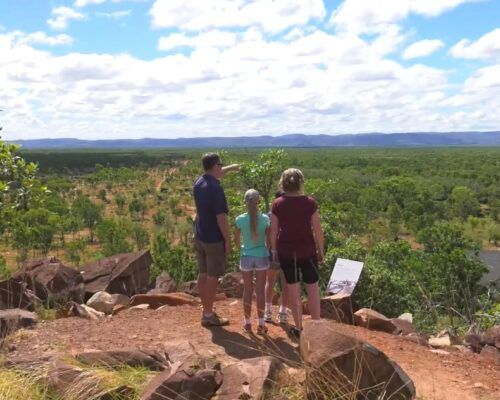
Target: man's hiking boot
(214, 320)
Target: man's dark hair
(209, 160)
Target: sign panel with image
(345, 276)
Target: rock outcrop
(371, 319)
(51, 280)
(126, 273)
(337, 307)
(250, 378)
(342, 366)
(13, 319)
(105, 302)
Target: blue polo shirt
(210, 201)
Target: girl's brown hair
(292, 180)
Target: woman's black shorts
(297, 269)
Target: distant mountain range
(420, 139)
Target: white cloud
(216, 39)
(486, 47)
(40, 37)
(422, 48)
(371, 16)
(271, 16)
(114, 14)
(62, 16)
(84, 3)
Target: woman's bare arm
(318, 235)
(274, 236)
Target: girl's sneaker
(268, 316)
(262, 330)
(282, 318)
(247, 328)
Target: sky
(105, 69)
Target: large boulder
(403, 326)
(337, 307)
(250, 378)
(371, 319)
(444, 339)
(84, 311)
(474, 341)
(14, 319)
(341, 366)
(134, 357)
(167, 299)
(491, 353)
(492, 336)
(183, 380)
(231, 284)
(51, 280)
(105, 302)
(164, 284)
(15, 294)
(73, 383)
(126, 273)
(189, 287)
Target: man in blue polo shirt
(212, 242)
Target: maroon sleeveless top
(295, 236)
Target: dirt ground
(454, 376)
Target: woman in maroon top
(297, 243)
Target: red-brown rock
(231, 284)
(189, 287)
(14, 319)
(158, 300)
(403, 326)
(342, 366)
(126, 273)
(15, 294)
(491, 353)
(183, 379)
(250, 378)
(51, 280)
(164, 284)
(337, 307)
(371, 319)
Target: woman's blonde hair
(252, 198)
(292, 180)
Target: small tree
(102, 195)
(263, 173)
(137, 207)
(140, 236)
(120, 203)
(89, 212)
(463, 202)
(112, 236)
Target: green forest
(416, 217)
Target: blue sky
(171, 68)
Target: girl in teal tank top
(251, 236)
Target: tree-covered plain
(416, 217)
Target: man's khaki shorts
(211, 258)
